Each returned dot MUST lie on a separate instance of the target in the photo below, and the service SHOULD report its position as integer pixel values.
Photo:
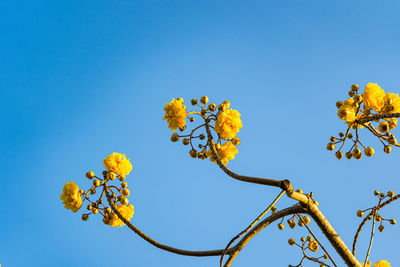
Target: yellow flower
(392, 103)
(228, 124)
(175, 114)
(382, 263)
(118, 163)
(226, 152)
(71, 197)
(126, 212)
(373, 97)
(347, 111)
(313, 246)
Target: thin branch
(260, 226)
(250, 226)
(157, 244)
(377, 117)
(365, 220)
(370, 240)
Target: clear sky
(82, 79)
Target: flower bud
(125, 192)
(124, 201)
(185, 141)
(390, 194)
(339, 104)
(356, 152)
(193, 153)
(309, 238)
(330, 146)
(202, 136)
(358, 98)
(382, 194)
(393, 123)
(85, 217)
(339, 154)
(212, 107)
(332, 139)
(111, 176)
(387, 149)
(175, 137)
(89, 207)
(81, 191)
(306, 219)
(348, 155)
(124, 185)
(369, 151)
(90, 175)
(376, 192)
(291, 241)
(204, 100)
(93, 191)
(392, 221)
(121, 178)
(383, 127)
(193, 101)
(381, 228)
(351, 93)
(281, 226)
(107, 210)
(341, 134)
(303, 239)
(354, 87)
(96, 182)
(95, 210)
(360, 213)
(236, 141)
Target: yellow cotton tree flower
(392, 103)
(226, 152)
(354, 126)
(382, 263)
(71, 197)
(347, 111)
(118, 163)
(373, 97)
(126, 212)
(175, 114)
(228, 124)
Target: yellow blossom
(392, 103)
(382, 263)
(118, 163)
(226, 152)
(71, 197)
(313, 246)
(373, 97)
(228, 124)
(175, 114)
(126, 212)
(347, 111)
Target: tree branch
(157, 244)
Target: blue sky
(83, 79)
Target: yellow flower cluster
(175, 114)
(71, 197)
(382, 263)
(118, 163)
(226, 152)
(126, 212)
(373, 97)
(228, 124)
(347, 111)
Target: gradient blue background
(82, 79)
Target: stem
(157, 244)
